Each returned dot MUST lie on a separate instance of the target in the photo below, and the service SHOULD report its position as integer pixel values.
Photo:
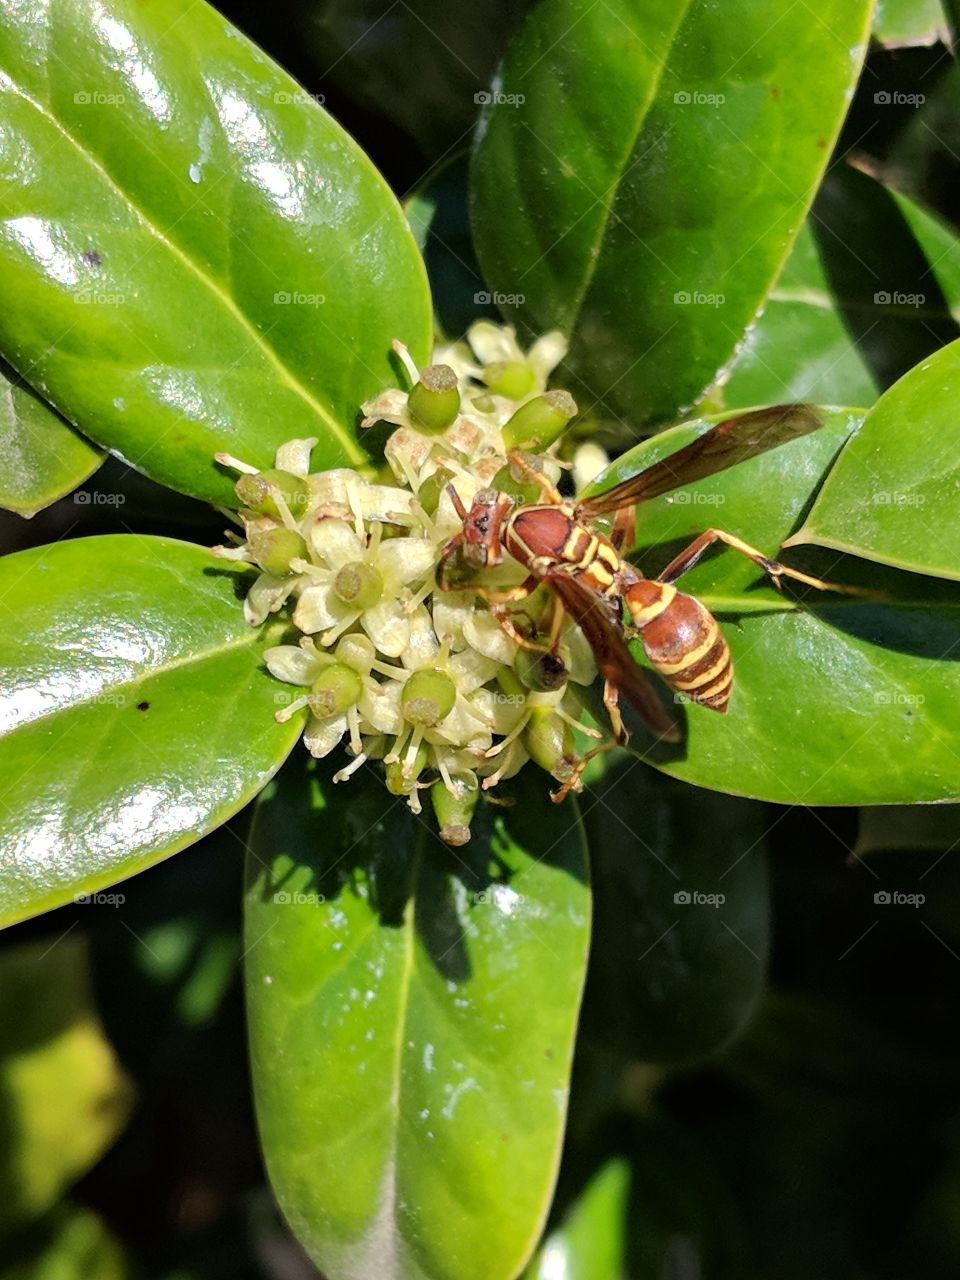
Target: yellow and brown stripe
(686, 646)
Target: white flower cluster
(424, 680)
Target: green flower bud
(434, 401)
(400, 783)
(358, 585)
(454, 810)
(511, 378)
(541, 420)
(258, 492)
(548, 739)
(273, 549)
(541, 672)
(511, 480)
(427, 697)
(337, 688)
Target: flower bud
(454, 810)
(513, 379)
(427, 697)
(273, 549)
(541, 672)
(430, 491)
(434, 401)
(358, 585)
(335, 690)
(541, 420)
(548, 739)
(258, 492)
(511, 480)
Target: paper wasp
(584, 569)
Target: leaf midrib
(149, 674)
(593, 258)
(354, 454)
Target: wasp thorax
(428, 696)
(359, 585)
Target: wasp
(556, 541)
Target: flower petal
(335, 542)
(484, 633)
(403, 560)
(290, 663)
(321, 736)
(266, 596)
(380, 710)
(422, 646)
(317, 609)
(546, 353)
(493, 341)
(388, 626)
(295, 455)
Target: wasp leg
(510, 596)
(549, 491)
(623, 521)
(777, 571)
(573, 783)
(502, 615)
(611, 700)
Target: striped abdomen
(683, 642)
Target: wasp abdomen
(683, 642)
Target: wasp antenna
(458, 506)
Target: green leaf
(65, 1096)
(440, 219)
(136, 713)
(653, 233)
(41, 456)
(871, 288)
(590, 1243)
(74, 1244)
(682, 917)
(889, 498)
(195, 256)
(909, 22)
(837, 700)
(412, 1012)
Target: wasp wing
(722, 446)
(600, 622)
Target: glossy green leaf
(836, 700)
(642, 173)
(682, 916)
(412, 1011)
(41, 456)
(440, 219)
(65, 1097)
(590, 1243)
(74, 1244)
(891, 496)
(871, 288)
(909, 22)
(195, 256)
(136, 714)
